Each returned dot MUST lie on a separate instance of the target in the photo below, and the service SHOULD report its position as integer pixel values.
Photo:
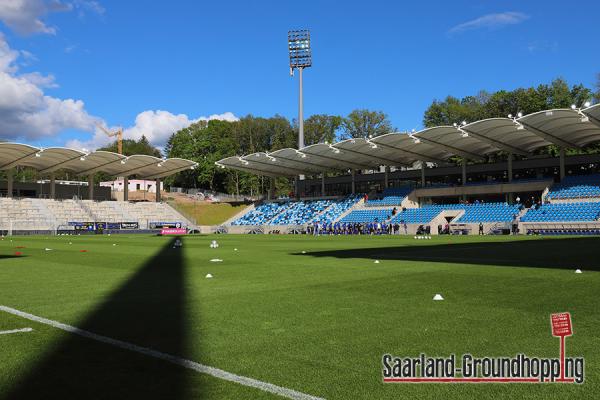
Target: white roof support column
(52, 185)
(9, 182)
(562, 163)
(386, 177)
(125, 188)
(91, 186)
(510, 167)
(157, 187)
(423, 166)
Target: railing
(220, 196)
(86, 209)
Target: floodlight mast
(300, 58)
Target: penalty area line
(16, 331)
(189, 364)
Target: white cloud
(88, 5)
(26, 111)
(491, 21)
(156, 125)
(25, 16)
(37, 79)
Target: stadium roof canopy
(566, 128)
(81, 163)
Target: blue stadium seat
(297, 212)
(576, 187)
(390, 197)
(360, 216)
(562, 212)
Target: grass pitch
(316, 322)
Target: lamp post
(300, 58)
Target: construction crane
(118, 133)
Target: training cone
(18, 253)
(235, 249)
(216, 260)
(114, 244)
(578, 271)
(48, 249)
(209, 275)
(376, 261)
(438, 297)
(303, 252)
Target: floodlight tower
(300, 58)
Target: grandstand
(26, 216)
(412, 179)
(459, 217)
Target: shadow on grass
(147, 310)
(568, 253)
(9, 256)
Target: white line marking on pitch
(205, 369)
(16, 331)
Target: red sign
(561, 324)
(173, 231)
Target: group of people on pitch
(357, 228)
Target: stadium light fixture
(519, 114)
(300, 57)
(587, 104)
(573, 107)
(510, 116)
(301, 154)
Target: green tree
(321, 128)
(363, 123)
(557, 94)
(131, 147)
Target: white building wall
(134, 185)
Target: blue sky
(121, 62)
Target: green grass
(316, 322)
(207, 213)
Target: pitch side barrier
(560, 228)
